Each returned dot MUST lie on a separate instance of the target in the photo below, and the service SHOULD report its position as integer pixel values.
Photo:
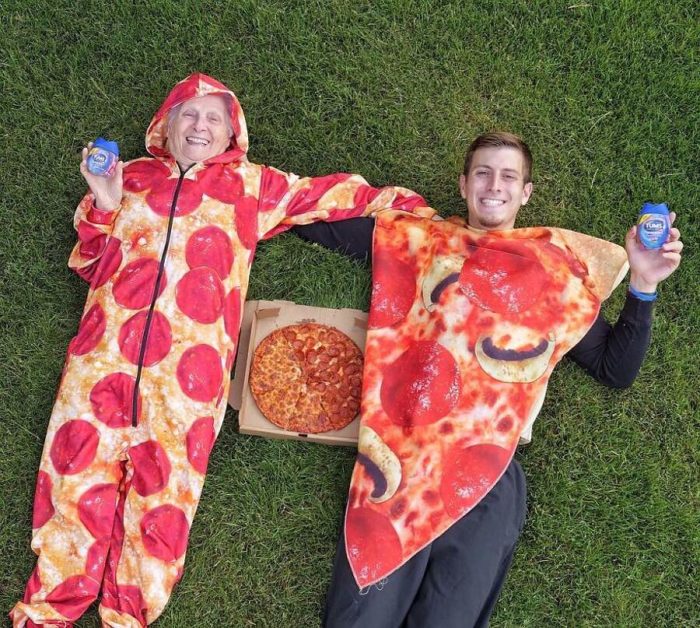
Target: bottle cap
(112, 147)
(654, 208)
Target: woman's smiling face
(199, 129)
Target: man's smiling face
(198, 130)
(495, 188)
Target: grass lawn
(606, 93)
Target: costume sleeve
(613, 355)
(94, 227)
(286, 200)
(351, 237)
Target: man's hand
(107, 190)
(648, 267)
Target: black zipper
(156, 289)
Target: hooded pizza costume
(144, 387)
(465, 329)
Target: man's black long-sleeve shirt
(612, 354)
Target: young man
(444, 527)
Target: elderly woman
(166, 244)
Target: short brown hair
(500, 139)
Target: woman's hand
(107, 190)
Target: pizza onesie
(465, 329)
(143, 390)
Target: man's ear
(463, 186)
(527, 193)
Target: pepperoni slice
(222, 182)
(144, 174)
(160, 198)
(108, 264)
(96, 508)
(469, 472)
(508, 279)
(134, 287)
(273, 187)
(164, 532)
(232, 313)
(200, 295)
(393, 290)
(90, 332)
(72, 597)
(74, 447)
(373, 546)
(421, 386)
(211, 247)
(159, 338)
(43, 506)
(111, 399)
(127, 599)
(92, 240)
(246, 215)
(199, 373)
(97, 559)
(200, 440)
(151, 468)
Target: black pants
(455, 581)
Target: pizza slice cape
(465, 329)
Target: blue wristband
(643, 296)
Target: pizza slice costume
(144, 387)
(465, 329)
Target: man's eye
(509, 177)
(188, 114)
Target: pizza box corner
(261, 318)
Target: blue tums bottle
(103, 156)
(653, 225)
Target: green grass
(607, 95)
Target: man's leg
(469, 562)
(383, 605)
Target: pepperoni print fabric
(465, 329)
(142, 397)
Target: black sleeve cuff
(636, 311)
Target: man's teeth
(197, 140)
(492, 202)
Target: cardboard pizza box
(259, 319)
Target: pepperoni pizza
(307, 378)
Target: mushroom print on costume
(144, 387)
(465, 329)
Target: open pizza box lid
(261, 318)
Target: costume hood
(194, 86)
